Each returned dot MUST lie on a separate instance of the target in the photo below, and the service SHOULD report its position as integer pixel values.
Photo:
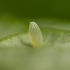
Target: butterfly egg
(35, 35)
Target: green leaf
(17, 52)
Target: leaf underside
(17, 52)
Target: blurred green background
(36, 8)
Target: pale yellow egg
(35, 35)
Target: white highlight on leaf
(35, 35)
